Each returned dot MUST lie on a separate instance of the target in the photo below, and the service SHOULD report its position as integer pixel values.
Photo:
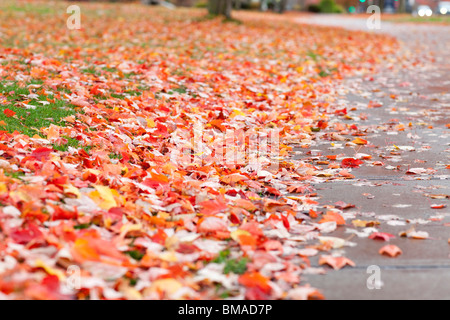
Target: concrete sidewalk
(420, 96)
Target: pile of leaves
(94, 201)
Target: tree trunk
(381, 5)
(263, 5)
(282, 6)
(220, 8)
(402, 6)
(302, 5)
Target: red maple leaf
(351, 163)
(41, 153)
(381, 236)
(9, 113)
(211, 207)
(26, 234)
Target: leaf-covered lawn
(89, 180)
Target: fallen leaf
(390, 250)
(336, 263)
(351, 163)
(381, 236)
(332, 216)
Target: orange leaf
(211, 207)
(53, 132)
(333, 216)
(359, 141)
(336, 262)
(95, 249)
(231, 179)
(390, 250)
(82, 251)
(255, 279)
(244, 238)
(438, 206)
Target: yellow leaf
(359, 141)
(169, 286)
(104, 197)
(168, 256)
(68, 188)
(19, 195)
(129, 292)
(236, 113)
(54, 272)
(151, 123)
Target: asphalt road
(418, 94)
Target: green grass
(135, 254)
(91, 70)
(181, 89)
(110, 70)
(71, 142)
(14, 174)
(133, 92)
(223, 256)
(115, 156)
(82, 226)
(30, 121)
(238, 266)
(27, 8)
(313, 55)
(411, 19)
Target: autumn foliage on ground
(88, 182)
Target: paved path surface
(422, 97)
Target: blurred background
(423, 8)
